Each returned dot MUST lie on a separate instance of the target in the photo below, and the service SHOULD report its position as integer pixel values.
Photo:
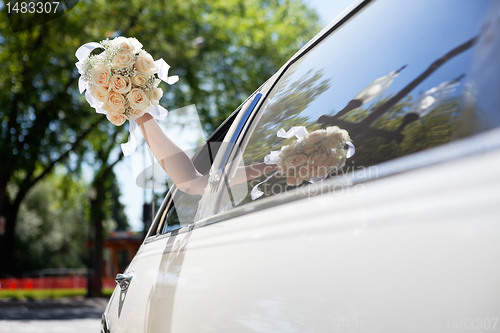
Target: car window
(179, 208)
(393, 77)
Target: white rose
(99, 93)
(120, 84)
(114, 102)
(136, 45)
(138, 99)
(100, 76)
(338, 133)
(123, 59)
(155, 95)
(127, 44)
(139, 79)
(145, 64)
(116, 118)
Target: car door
(145, 304)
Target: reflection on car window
(171, 221)
(393, 77)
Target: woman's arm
(172, 159)
(179, 167)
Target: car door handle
(123, 280)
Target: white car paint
(414, 251)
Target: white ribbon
(163, 68)
(159, 112)
(129, 147)
(350, 149)
(82, 85)
(298, 131)
(84, 51)
(256, 193)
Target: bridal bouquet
(122, 81)
(311, 157)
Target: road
(54, 316)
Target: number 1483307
(38, 7)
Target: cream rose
(145, 64)
(116, 118)
(296, 160)
(294, 181)
(135, 113)
(321, 171)
(304, 172)
(139, 79)
(316, 159)
(114, 102)
(123, 59)
(99, 93)
(100, 76)
(342, 134)
(155, 95)
(338, 133)
(287, 151)
(120, 84)
(308, 148)
(315, 136)
(332, 161)
(331, 142)
(138, 99)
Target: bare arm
(172, 159)
(179, 167)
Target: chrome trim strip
(238, 130)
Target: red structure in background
(45, 282)
(120, 247)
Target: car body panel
(382, 243)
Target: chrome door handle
(124, 280)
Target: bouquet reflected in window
(311, 157)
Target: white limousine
(403, 236)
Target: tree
(52, 225)
(222, 50)
(43, 120)
(102, 203)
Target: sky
(127, 171)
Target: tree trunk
(7, 241)
(97, 216)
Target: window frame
(158, 222)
